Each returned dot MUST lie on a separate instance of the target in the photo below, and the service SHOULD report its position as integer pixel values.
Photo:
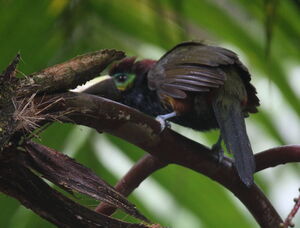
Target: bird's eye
(121, 78)
(124, 81)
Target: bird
(197, 86)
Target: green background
(265, 34)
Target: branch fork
(43, 97)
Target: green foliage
(47, 32)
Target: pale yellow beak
(104, 88)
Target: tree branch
(119, 120)
(22, 110)
(71, 175)
(16, 110)
(277, 156)
(288, 221)
(69, 74)
(147, 165)
(170, 147)
(21, 183)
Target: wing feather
(191, 67)
(185, 87)
(207, 73)
(192, 82)
(172, 92)
(202, 79)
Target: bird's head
(130, 78)
(129, 73)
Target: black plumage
(207, 86)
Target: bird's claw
(218, 153)
(163, 123)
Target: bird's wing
(191, 66)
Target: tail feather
(232, 125)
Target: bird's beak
(105, 88)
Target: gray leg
(162, 119)
(217, 149)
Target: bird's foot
(162, 119)
(163, 122)
(218, 152)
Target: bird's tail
(232, 125)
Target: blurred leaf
(271, 16)
(49, 31)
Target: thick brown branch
(149, 164)
(70, 175)
(16, 94)
(170, 147)
(69, 74)
(277, 156)
(124, 122)
(20, 112)
(20, 183)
